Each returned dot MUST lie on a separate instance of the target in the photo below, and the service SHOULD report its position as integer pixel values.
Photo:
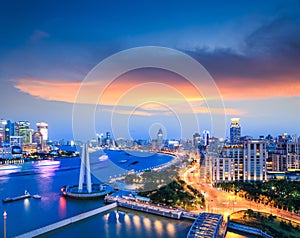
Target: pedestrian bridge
(206, 225)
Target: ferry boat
(9, 167)
(47, 163)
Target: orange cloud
(52, 90)
(242, 89)
(174, 92)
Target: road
(218, 201)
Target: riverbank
(268, 223)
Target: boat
(26, 195)
(103, 157)
(47, 163)
(123, 161)
(9, 167)
(36, 196)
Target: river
(46, 180)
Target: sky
(250, 49)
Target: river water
(46, 180)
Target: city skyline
(250, 50)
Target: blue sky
(250, 48)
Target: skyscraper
(235, 131)
(255, 155)
(2, 131)
(160, 139)
(24, 130)
(205, 136)
(196, 139)
(42, 127)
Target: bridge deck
(206, 225)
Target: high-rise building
(196, 139)
(42, 127)
(9, 130)
(160, 138)
(235, 131)
(2, 131)
(205, 137)
(25, 131)
(108, 139)
(255, 157)
(238, 162)
(286, 156)
(37, 138)
(228, 165)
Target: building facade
(255, 157)
(238, 162)
(235, 131)
(286, 156)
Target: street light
(4, 223)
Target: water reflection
(26, 204)
(137, 222)
(127, 221)
(158, 227)
(147, 223)
(171, 229)
(62, 207)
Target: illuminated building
(228, 166)
(37, 139)
(107, 139)
(25, 131)
(205, 136)
(286, 156)
(16, 144)
(160, 139)
(9, 130)
(42, 127)
(2, 131)
(196, 139)
(238, 162)
(255, 154)
(235, 131)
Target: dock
(150, 208)
(26, 195)
(65, 222)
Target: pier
(150, 208)
(66, 222)
(26, 195)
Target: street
(219, 201)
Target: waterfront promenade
(144, 207)
(137, 206)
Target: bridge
(66, 222)
(206, 225)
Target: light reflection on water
(62, 207)
(26, 204)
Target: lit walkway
(206, 225)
